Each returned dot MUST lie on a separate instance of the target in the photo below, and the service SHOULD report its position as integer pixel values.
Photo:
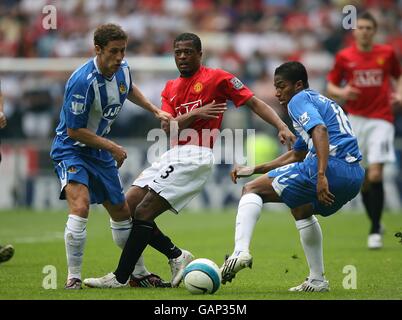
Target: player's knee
(248, 188)
(302, 212)
(374, 176)
(134, 196)
(81, 209)
(142, 212)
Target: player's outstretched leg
(233, 264)
(177, 266)
(248, 213)
(6, 252)
(141, 277)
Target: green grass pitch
(279, 262)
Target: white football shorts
(375, 138)
(179, 175)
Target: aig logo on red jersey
(187, 107)
(368, 78)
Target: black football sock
(367, 203)
(373, 200)
(136, 243)
(163, 244)
(377, 199)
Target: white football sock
(120, 232)
(75, 235)
(311, 239)
(249, 210)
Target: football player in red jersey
(367, 69)
(197, 101)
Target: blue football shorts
(296, 183)
(102, 181)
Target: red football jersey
(370, 73)
(182, 95)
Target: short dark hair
(365, 15)
(293, 71)
(189, 37)
(108, 32)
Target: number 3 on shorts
(168, 171)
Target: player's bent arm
(265, 112)
(334, 91)
(92, 140)
(185, 120)
(209, 111)
(321, 143)
(284, 159)
(287, 158)
(320, 138)
(135, 96)
(269, 115)
(397, 96)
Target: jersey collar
(97, 69)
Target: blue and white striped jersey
(308, 109)
(91, 101)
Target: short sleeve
(77, 102)
(300, 144)
(233, 88)
(304, 112)
(165, 99)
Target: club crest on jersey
(110, 112)
(237, 84)
(380, 61)
(122, 88)
(72, 170)
(304, 119)
(198, 87)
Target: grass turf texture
(279, 262)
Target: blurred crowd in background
(248, 38)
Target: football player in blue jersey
(318, 176)
(87, 162)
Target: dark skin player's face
(285, 89)
(110, 57)
(187, 59)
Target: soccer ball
(202, 276)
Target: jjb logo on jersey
(111, 111)
(78, 104)
(304, 119)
